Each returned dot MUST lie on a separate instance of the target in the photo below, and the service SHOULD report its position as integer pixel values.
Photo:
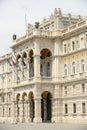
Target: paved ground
(44, 126)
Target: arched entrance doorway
(46, 107)
(23, 107)
(31, 106)
(18, 106)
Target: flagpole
(26, 24)
(13, 69)
(20, 68)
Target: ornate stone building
(48, 81)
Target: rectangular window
(66, 108)
(83, 88)
(65, 90)
(83, 107)
(74, 108)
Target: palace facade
(48, 81)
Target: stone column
(28, 69)
(17, 111)
(29, 119)
(57, 105)
(13, 106)
(56, 61)
(6, 108)
(21, 111)
(37, 118)
(26, 111)
(36, 66)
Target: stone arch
(45, 52)
(31, 95)
(24, 55)
(46, 106)
(45, 62)
(24, 95)
(31, 105)
(31, 53)
(18, 57)
(18, 106)
(18, 97)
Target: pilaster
(13, 106)
(37, 118)
(36, 66)
(37, 100)
(57, 105)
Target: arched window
(73, 45)
(24, 58)
(82, 66)
(65, 70)
(45, 62)
(65, 48)
(73, 68)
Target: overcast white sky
(12, 15)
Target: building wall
(48, 83)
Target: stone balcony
(75, 77)
(36, 33)
(32, 80)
